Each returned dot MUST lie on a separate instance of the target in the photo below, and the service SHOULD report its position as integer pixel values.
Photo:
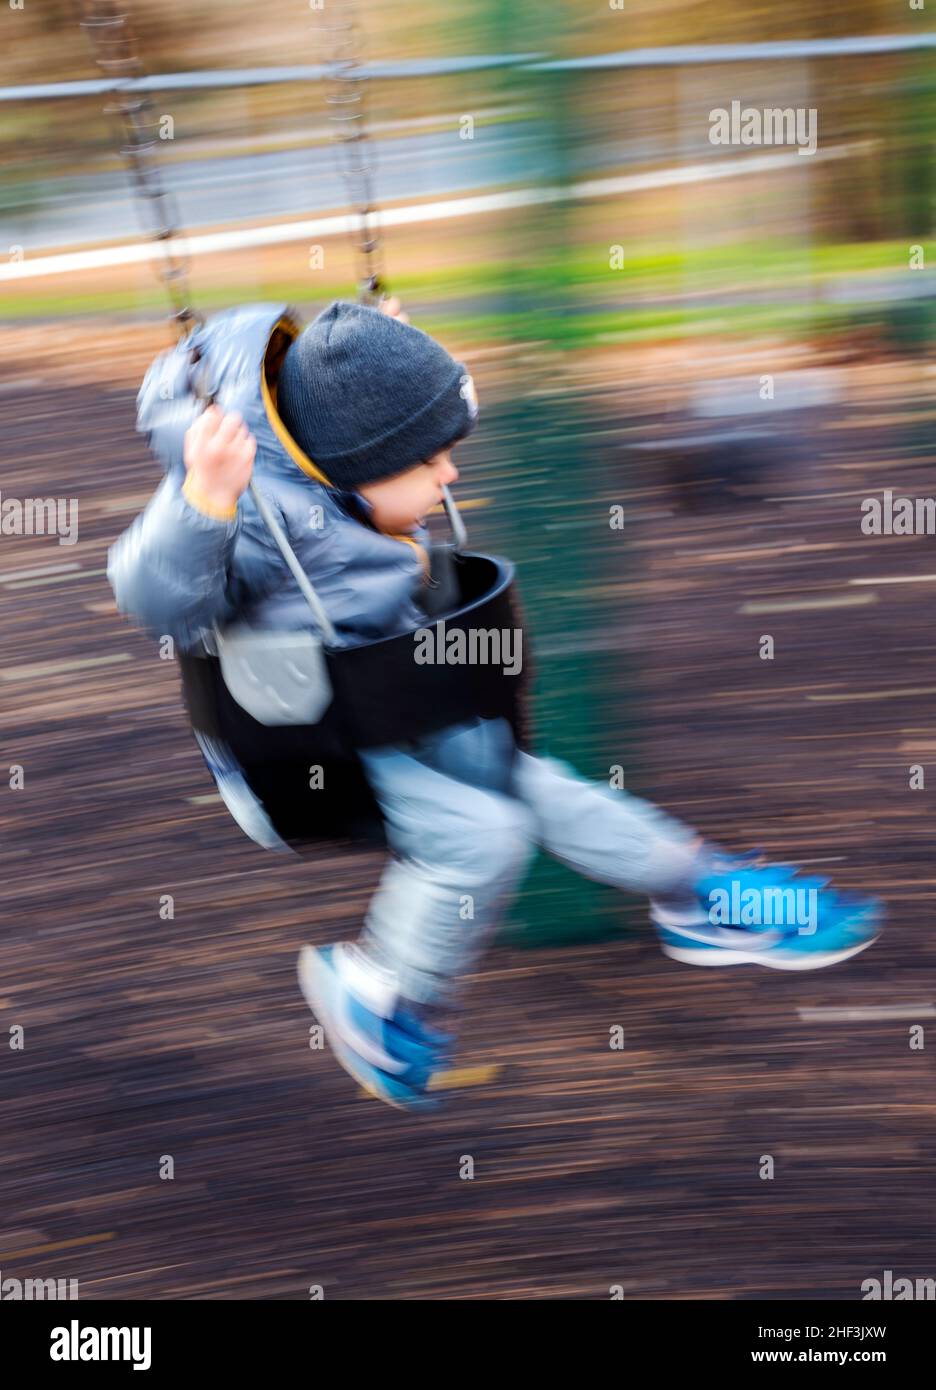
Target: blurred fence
(671, 56)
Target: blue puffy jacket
(179, 570)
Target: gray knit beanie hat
(366, 396)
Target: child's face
(401, 503)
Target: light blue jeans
(464, 813)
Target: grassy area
(619, 326)
(583, 273)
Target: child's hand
(219, 453)
(393, 308)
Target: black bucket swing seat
(280, 717)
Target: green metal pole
(554, 487)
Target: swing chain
(354, 147)
(113, 41)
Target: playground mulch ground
(148, 1037)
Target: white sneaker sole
(722, 955)
(310, 971)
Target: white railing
(677, 56)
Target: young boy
(355, 422)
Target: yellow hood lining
(284, 334)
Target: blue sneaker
(739, 914)
(388, 1050)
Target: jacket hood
(241, 351)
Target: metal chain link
(114, 44)
(355, 151)
(112, 38)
